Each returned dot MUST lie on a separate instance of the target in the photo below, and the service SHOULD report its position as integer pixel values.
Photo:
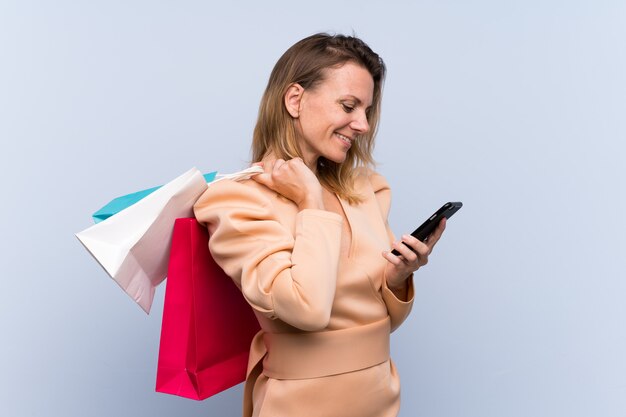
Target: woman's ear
(293, 98)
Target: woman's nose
(360, 123)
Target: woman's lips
(345, 139)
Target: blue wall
(515, 108)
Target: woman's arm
(399, 297)
(282, 276)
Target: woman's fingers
(436, 234)
(276, 166)
(419, 247)
(271, 172)
(413, 254)
(408, 256)
(293, 180)
(394, 259)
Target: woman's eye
(347, 108)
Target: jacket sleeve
(292, 278)
(398, 309)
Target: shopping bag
(133, 245)
(120, 203)
(207, 325)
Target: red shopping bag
(207, 325)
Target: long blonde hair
(304, 63)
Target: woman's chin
(338, 158)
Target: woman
(308, 242)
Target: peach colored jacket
(325, 318)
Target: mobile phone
(422, 232)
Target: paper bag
(120, 203)
(207, 325)
(133, 245)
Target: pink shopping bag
(207, 325)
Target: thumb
(262, 178)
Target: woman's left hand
(399, 268)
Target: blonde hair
(304, 63)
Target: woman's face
(334, 113)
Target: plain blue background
(515, 108)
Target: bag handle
(239, 176)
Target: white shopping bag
(133, 245)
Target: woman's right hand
(293, 180)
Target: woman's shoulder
(229, 192)
(368, 177)
(223, 196)
(374, 188)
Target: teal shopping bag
(120, 203)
